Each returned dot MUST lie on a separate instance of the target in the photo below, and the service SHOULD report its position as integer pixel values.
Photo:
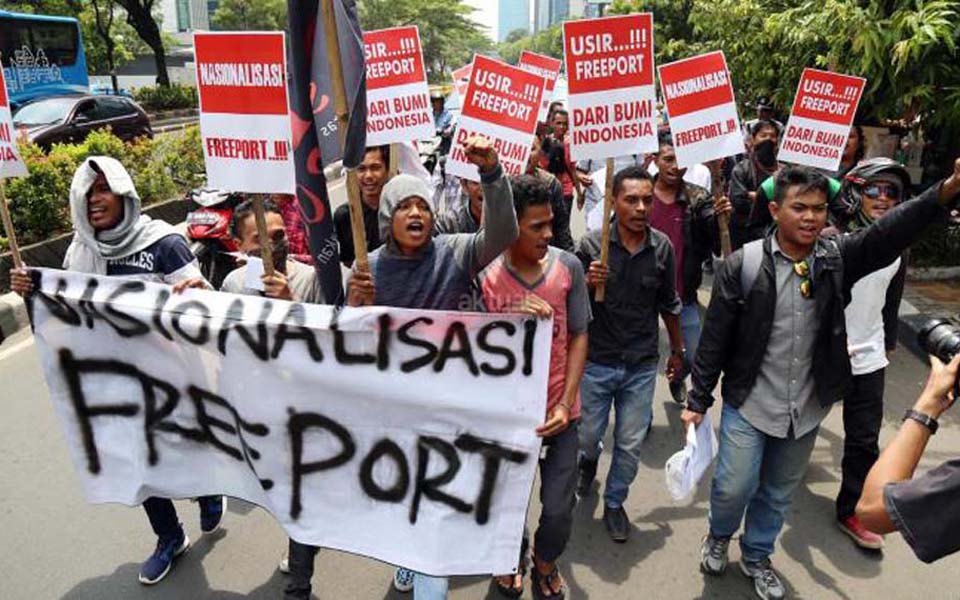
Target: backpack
(750, 268)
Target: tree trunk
(140, 18)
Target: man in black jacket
(775, 329)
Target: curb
(13, 315)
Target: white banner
(407, 436)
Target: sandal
(549, 579)
(510, 591)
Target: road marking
(22, 344)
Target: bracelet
(925, 420)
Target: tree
(449, 36)
(547, 41)
(250, 15)
(126, 43)
(140, 17)
(103, 12)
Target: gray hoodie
(440, 275)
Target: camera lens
(940, 338)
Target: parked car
(70, 119)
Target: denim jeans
(629, 390)
(758, 474)
(426, 587)
(690, 329)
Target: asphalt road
(54, 545)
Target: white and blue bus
(41, 56)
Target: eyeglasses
(875, 190)
(802, 269)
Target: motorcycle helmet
(851, 192)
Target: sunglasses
(876, 190)
(802, 269)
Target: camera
(941, 338)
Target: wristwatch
(925, 420)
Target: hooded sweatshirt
(138, 247)
(439, 276)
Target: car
(71, 118)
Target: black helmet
(851, 194)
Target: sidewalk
(925, 300)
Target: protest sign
(549, 69)
(820, 121)
(403, 435)
(11, 164)
(609, 66)
(244, 114)
(461, 79)
(501, 104)
(703, 113)
(398, 100)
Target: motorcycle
(208, 230)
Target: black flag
(315, 135)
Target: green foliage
(448, 35)
(161, 169)
(127, 44)
(157, 97)
(548, 42)
(939, 247)
(250, 15)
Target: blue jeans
(629, 390)
(758, 474)
(690, 329)
(426, 587)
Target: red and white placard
(547, 67)
(823, 112)
(702, 109)
(11, 164)
(609, 66)
(502, 103)
(244, 113)
(398, 99)
(461, 79)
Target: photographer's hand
(899, 459)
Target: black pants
(862, 417)
(561, 224)
(163, 517)
(300, 558)
(558, 481)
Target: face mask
(766, 153)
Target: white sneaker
(766, 583)
(403, 580)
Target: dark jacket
(700, 237)
(736, 330)
(750, 220)
(341, 223)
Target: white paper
(253, 273)
(685, 468)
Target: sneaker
(403, 580)
(766, 582)
(617, 523)
(284, 565)
(678, 389)
(158, 565)
(860, 535)
(212, 509)
(588, 472)
(713, 555)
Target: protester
(416, 270)
(923, 509)
(751, 217)
(297, 244)
(765, 112)
(852, 155)
(871, 190)
(776, 331)
(554, 188)
(593, 177)
(555, 159)
(442, 121)
(685, 213)
(291, 280)
(639, 281)
(112, 238)
(372, 174)
(533, 277)
(468, 215)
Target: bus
(41, 56)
